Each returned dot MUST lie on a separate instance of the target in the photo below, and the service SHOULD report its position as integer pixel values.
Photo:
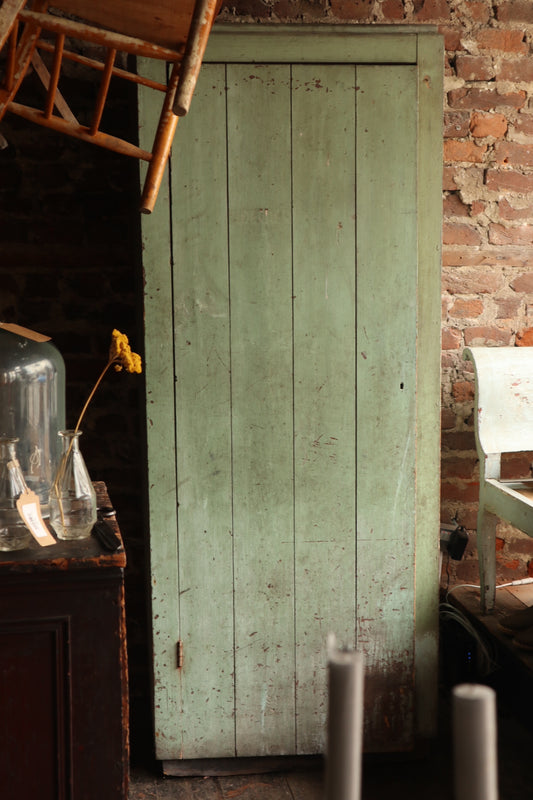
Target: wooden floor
(392, 776)
(290, 786)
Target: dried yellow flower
(120, 353)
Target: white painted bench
(503, 424)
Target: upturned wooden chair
(503, 424)
(174, 31)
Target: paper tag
(25, 332)
(29, 509)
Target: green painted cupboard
(292, 345)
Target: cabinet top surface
(67, 556)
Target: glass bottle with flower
(72, 496)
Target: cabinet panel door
(293, 323)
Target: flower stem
(95, 387)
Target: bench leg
(486, 547)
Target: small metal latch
(179, 653)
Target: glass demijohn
(72, 497)
(14, 535)
(32, 404)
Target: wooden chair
(174, 31)
(503, 424)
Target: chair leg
(486, 547)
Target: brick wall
(70, 261)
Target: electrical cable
(485, 660)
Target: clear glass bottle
(14, 535)
(32, 404)
(72, 496)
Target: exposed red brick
(459, 441)
(500, 235)
(514, 153)
(463, 151)
(513, 564)
(524, 283)
(456, 124)
(463, 391)
(508, 41)
(477, 11)
(515, 11)
(485, 99)
(467, 571)
(524, 338)
(482, 125)
(452, 38)
(463, 491)
(449, 70)
(456, 467)
(478, 207)
(459, 233)
(471, 281)
(524, 124)
(474, 68)
(487, 335)
(507, 307)
(522, 546)
(447, 419)
(449, 175)
(505, 573)
(352, 9)
(489, 256)
(507, 211)
(253, 7)
(466, 308)
(451, 339)
(433, 10)
(518, 70)
(453, 206)
(393, 9)
(508, 181)
(514, 466)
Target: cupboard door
(284, 401)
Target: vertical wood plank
(203, 424)
(160, 421)
(430, 72)
(261, 366)
(324, 379)
(386, 395)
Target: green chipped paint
(292, 278)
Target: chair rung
(42, 44)
(54, 75)
(82, 132)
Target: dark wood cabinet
(63, 673)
